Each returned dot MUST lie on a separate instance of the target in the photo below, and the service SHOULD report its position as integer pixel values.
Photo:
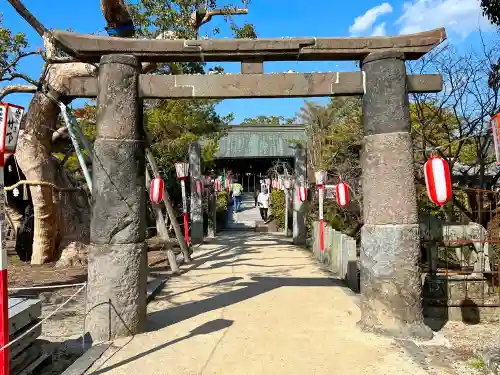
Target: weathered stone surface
(118, 104)
(252, 85)
(212, 213)
(119, 197)
(391, 300)
(252, 67)
(116, 299)
(388, 179)
(299, 217)
(385, 103)
(390, 273)
(89, 48)
(196, 209)
(117, 267)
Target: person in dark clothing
(255, 196)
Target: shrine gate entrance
(390, 280)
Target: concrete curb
(87, 359)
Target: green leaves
(277, 200)
(174, 124)
(268, 120)
(12, 50)
(245, 31)
(491, 9)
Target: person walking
(237, 190)
(256, 195)
(263, 202)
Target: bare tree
(455, 123)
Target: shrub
(277, 200)
(222, 203)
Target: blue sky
(277, 18)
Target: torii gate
(390, 280)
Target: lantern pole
(4, 298)
(287, 184)
(185, 211)
(286, 212)
(320, 181)
(182, 170)
(321, 193)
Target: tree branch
(29, 17)
(115, 12)
(12, 65)
(22, 76)
(11, 89)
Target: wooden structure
(25, 354)
(391, 286)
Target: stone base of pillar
(197, 233)
(391, 300)
(116, 302)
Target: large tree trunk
(34, 158)
(55, 225)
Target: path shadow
(243, 209)
(244, 291)
(230, 246)
(204, 329)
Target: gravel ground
(461, 355)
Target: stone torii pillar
(391, 300)
(299, 217)
(117, 268)
(196, 202)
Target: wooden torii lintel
(280, 85)
(90, 48)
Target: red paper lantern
(302, 193)
(342, 194)
(156, 190)
(198, 186)
(438, 180)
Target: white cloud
(461, 17)
(379, 30)
(367, 20)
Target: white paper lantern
(342, 194)
(182, 169)
(320, 177)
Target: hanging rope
(40, 183)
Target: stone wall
(339, 255)
(460, 298)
